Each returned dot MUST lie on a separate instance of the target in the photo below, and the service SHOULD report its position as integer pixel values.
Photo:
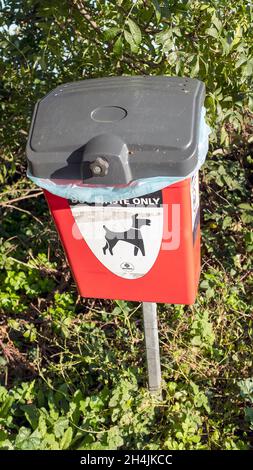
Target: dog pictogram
(133, 236)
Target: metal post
(152, 346)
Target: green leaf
(50, 442)
(195, 67)
(212, 32)
(242, 59)
(129, 39)
(7, 404)
(226, 222)
(163, 36)
(22, 435)
(204, 284)
(249, 68)
(66, 439)
(135, 31)
(111, 33)
(118, 46)
(114, 438)
(196, 341)
(5, 443)
(42, 426)
(246, 388)
(249, 242)
(60, 426)
(217, 23)
(3, 361)
(31, 414)
(246, 206)
(157, 9)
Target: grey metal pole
(152, 346)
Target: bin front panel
(144, 249)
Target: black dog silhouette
(132, 235)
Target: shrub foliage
(73, 370)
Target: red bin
(132, 143)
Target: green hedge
(54, 41)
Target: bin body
(171, 276)
(116, 133)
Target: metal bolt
(97, 170)
(99, 167)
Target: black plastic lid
(115, 130)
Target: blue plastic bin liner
(84, 193)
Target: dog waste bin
(118, 159)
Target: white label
(195, 200)
(125, 236)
